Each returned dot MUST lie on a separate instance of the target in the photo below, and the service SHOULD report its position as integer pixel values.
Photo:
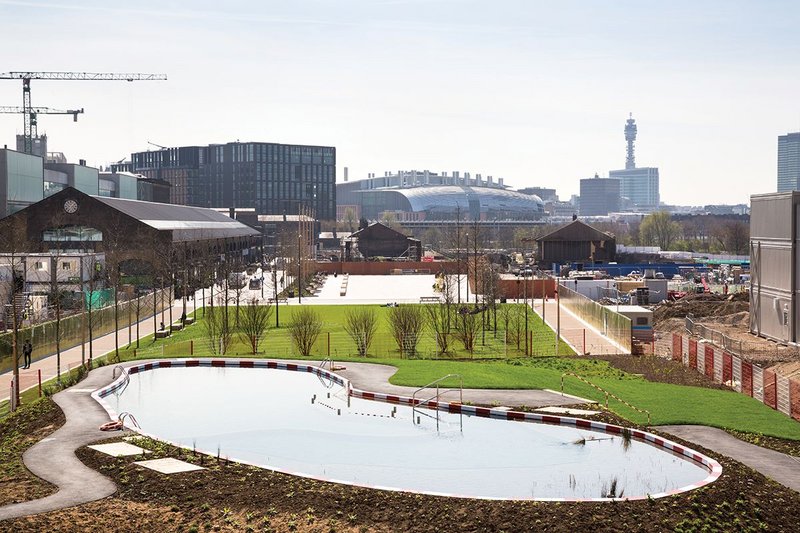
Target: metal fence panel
(758, 383)
(784, 404)
(737, 374)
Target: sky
(535, 92)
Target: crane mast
(26, 77)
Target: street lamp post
(299, 273)
(525, 277)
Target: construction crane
(34, 111)
(26, 78)
(157, 145)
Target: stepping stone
(168, 465)
(119, 449)
(567, 411)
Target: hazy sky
(535, 92)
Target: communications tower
(630, 136)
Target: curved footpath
(53, 458)
(778, 466)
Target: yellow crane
(26, 77)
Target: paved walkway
(53, 458)
(775, 465)
(375, 378)
(73, 357)
(583, 338)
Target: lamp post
(466, 236)
(299, 273)
(525, 277)
(275, 290)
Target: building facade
(599, 196)
(271, 178)
(21, 181)
(639, 185)
(789, 162)
(774, 261)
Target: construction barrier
(719, 365)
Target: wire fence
(491, 344)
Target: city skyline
(534, 93)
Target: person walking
(27, 350)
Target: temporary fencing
(782, 393)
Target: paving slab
(119, 449)
(168, 465)
(782, 468)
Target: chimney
(345, 173)
(82, 162)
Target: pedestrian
(27, 350)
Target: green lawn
(278, 344)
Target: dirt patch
(702, 305)
(18, 432)
(233, 497)
(789, 447)
(660, 370)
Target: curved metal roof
(448, 197)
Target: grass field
(335, 342)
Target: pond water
(300, 423)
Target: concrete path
(53, 458)
(583, 338)
(775, 465)
(375, 378)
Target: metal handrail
(439, 392)
(126, 382)
(129, 416)
(620, 400)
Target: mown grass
(277, 342)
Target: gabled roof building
(577, 241)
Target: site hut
(144, 238)
(641, 322)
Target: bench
(280, 300)
(162, 334)
(429, 299)
(188, 321)
(176, 326)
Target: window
(40, 265)
(641, 321)
(65, 265)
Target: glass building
(272, 178)
(639, 185)
(21, 181)
(789, 162)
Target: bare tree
(361, 324)
(440, 316)
(467, 325)
(254, 323)
(304, 329)
(218, 327)
(407, 323)
(14, 242)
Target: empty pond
(300, 422)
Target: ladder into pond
(416, 404)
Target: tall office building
(271, 178)
(789, 162)
(599, 196)
(640, 185)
